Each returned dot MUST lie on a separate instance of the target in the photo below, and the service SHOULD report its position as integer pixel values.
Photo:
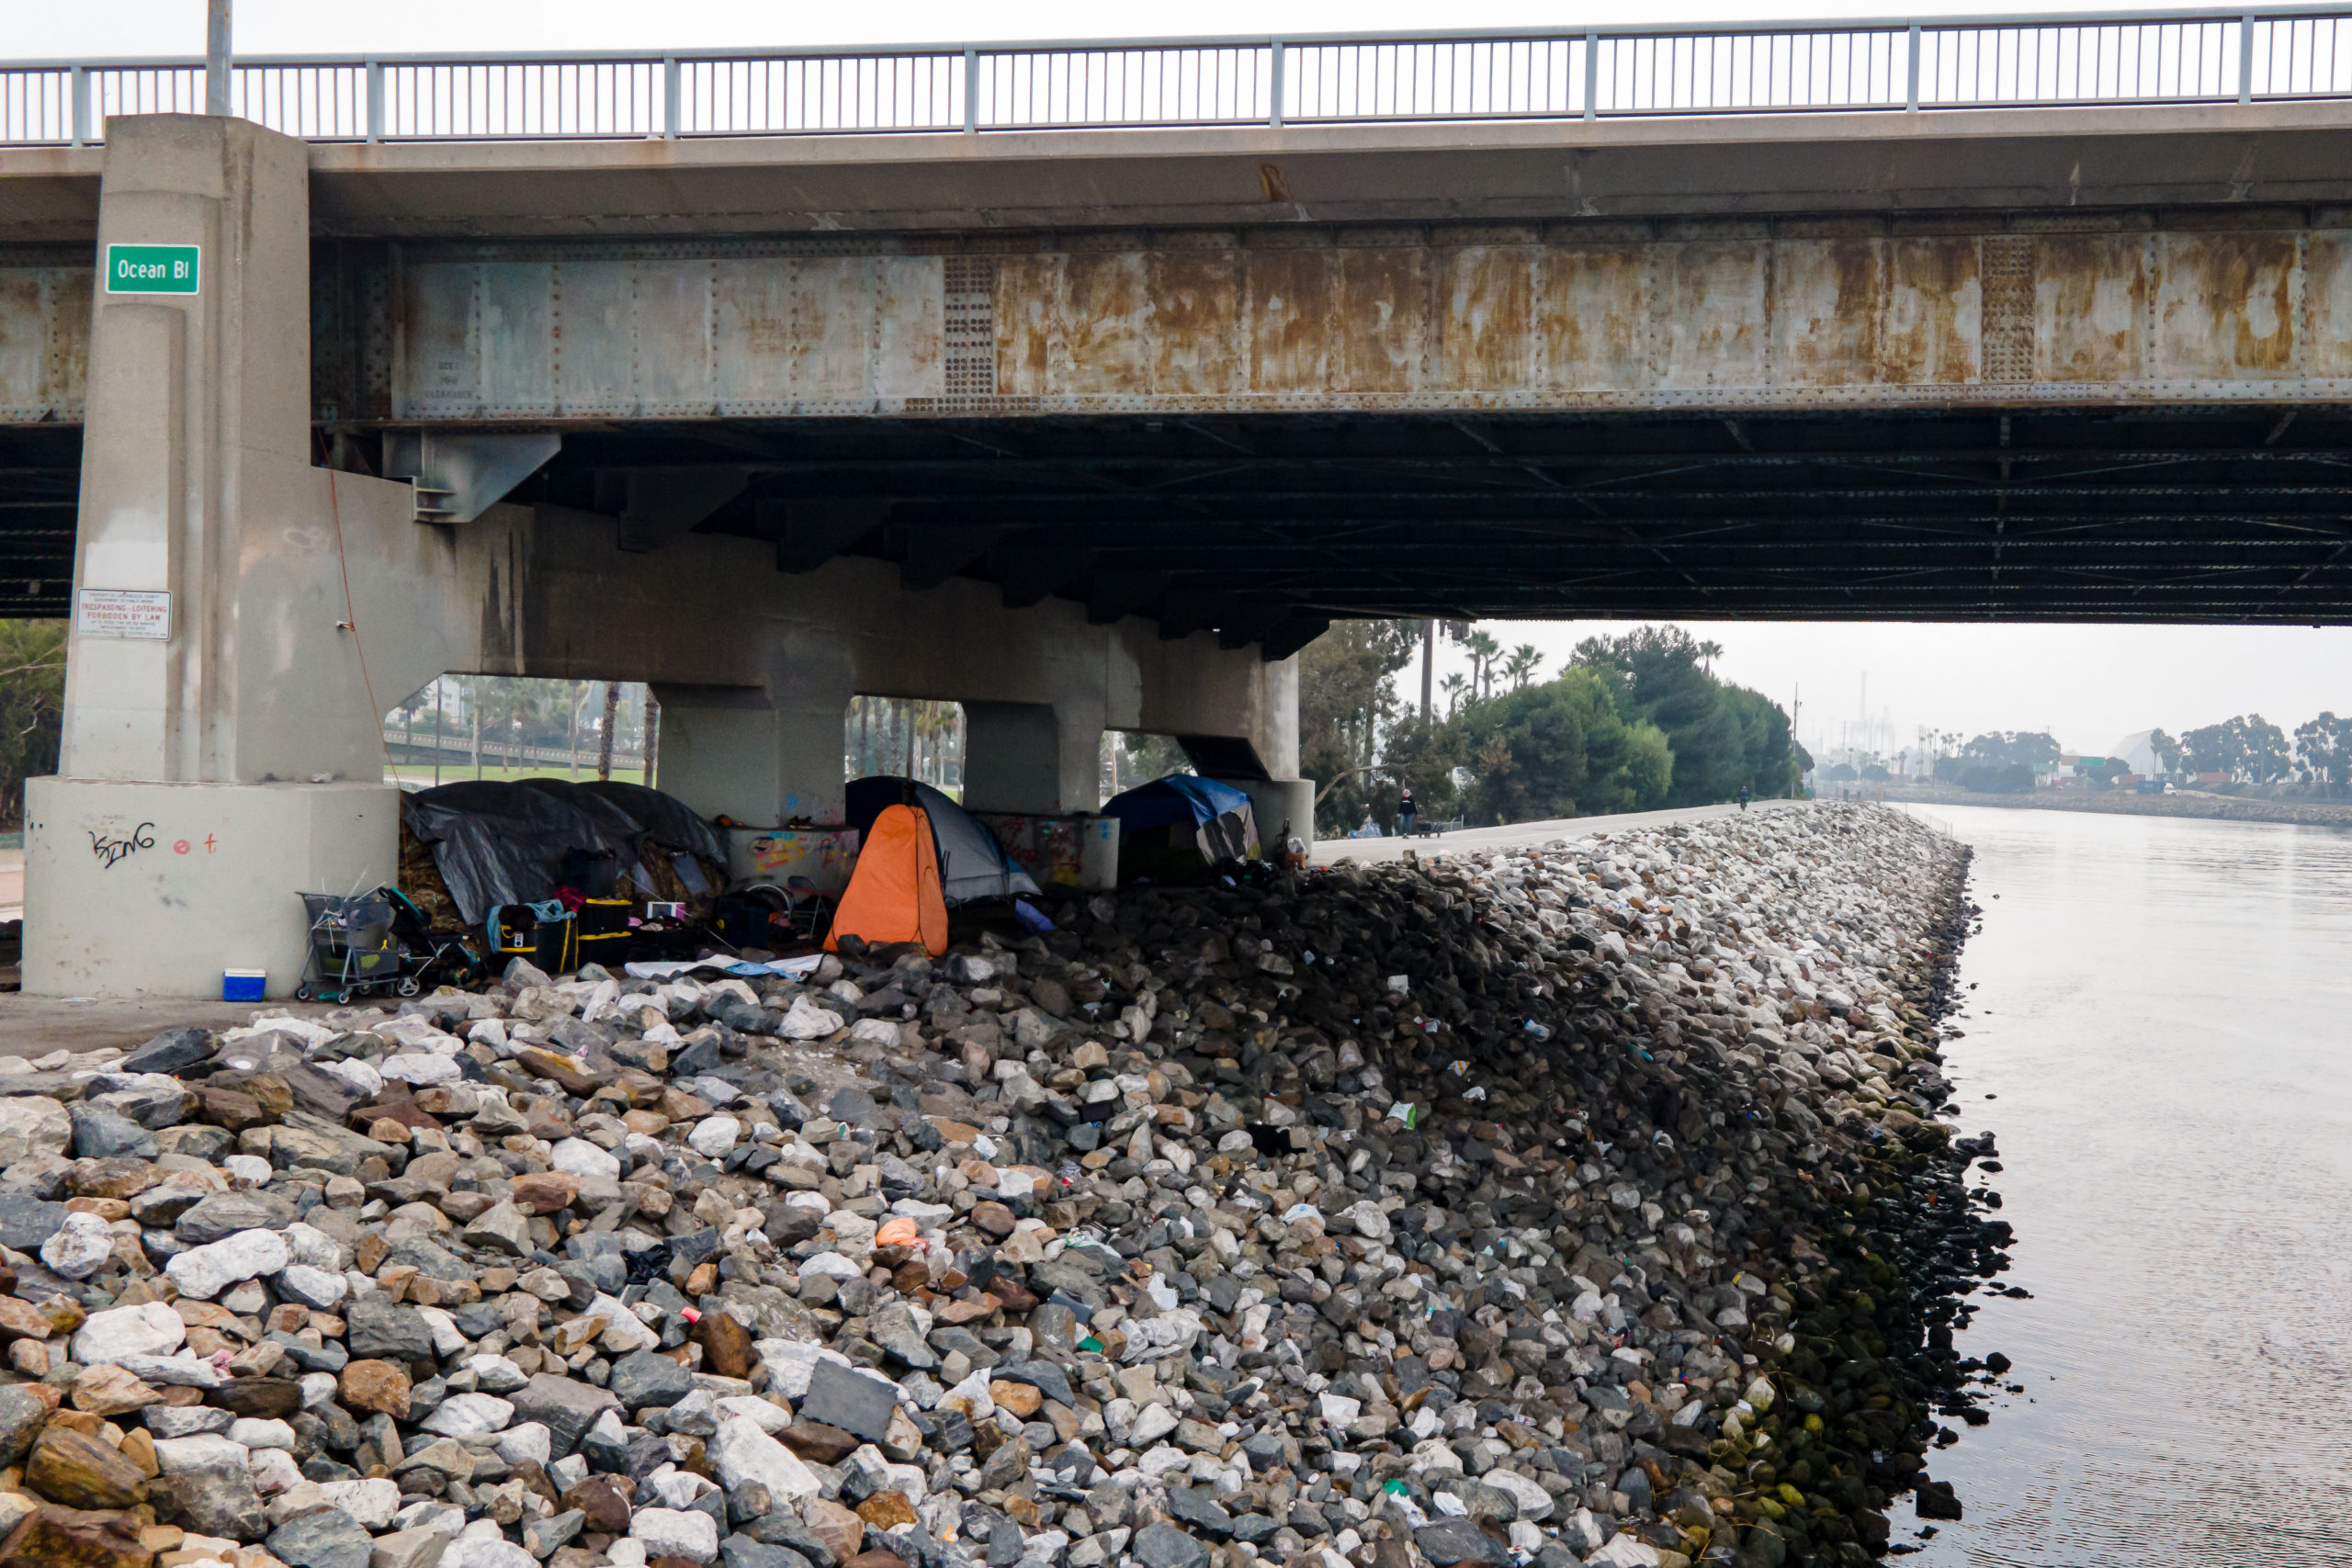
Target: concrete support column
(209, 773)
(764, 755)
(1012, 757)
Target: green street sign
(151, 269)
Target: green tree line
(1632, 723)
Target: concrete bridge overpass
(1090, 427)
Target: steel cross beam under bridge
(2089, 361)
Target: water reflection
(2160, 1009)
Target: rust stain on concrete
(2226, 306)
(1291, 296)
(1382, 322)
(1934, 312)
(1708, 314)
(1106, 324)
(1594, 318)
(2089, 292)
(1196, 303)
(1485, 318)
(2327, 303)
(1827, 297)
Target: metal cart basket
(352, 951)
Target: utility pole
(215, 57)
(1429, 661)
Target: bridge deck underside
(1266, 527)
(2237, 512)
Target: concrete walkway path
(1329, 851)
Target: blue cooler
(242, 985)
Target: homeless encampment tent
(487, 843)
(1175, 829)
(972, 864)
(894, 895)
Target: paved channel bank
(1581, 1203)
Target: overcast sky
(2088, 684)
(305, 26)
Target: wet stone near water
(1583, 1204)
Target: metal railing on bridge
(2105, 59)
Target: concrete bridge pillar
(226, 753)
(223, 742)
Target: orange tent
(894, 895)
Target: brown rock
(1017, 1397)
(228, 1107)
(545, 1191)
(262, 1398)
(540, 1062)
(378, 1386)
(21, 1320)
(407, 1113)
(1013, 1295)
(726, 1345)
(873, 1559)
(121, 1178)
(993, 1218)
(884, 1509)
(68, 1538)
(139, 1447)
(603, 1499)
(815, 1441)
(110, 1391)
(841, 1531)
(80, 1471)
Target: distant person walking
(1405, 812)
(1743, 797)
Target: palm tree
(1483, 650)
(1522, 664)
(1454, 687)
(1708, 653)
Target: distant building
(2137, 754)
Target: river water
(2163, 1012)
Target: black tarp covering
(496, 842)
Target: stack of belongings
(477, 845)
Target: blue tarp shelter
(1180, 826)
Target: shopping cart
(352, 951)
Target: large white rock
(371, 1503)
(624, 1330)
(203, 1272)
(675, 1532)
(79, 1247)
(806, 1021)
(742, 1452)
(274, 1471)
(357, 1074)
(530, 1440)
(32, 1124)
(584, 1159)
(206, 1451)
(423, 1067)
(482, 1545)
(152, 1328)
(313, 1248)
(714, 1135)
(767, 1418)
(463, 1415)
(258, 1432)
(313, 1288)
(1534, 1502)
